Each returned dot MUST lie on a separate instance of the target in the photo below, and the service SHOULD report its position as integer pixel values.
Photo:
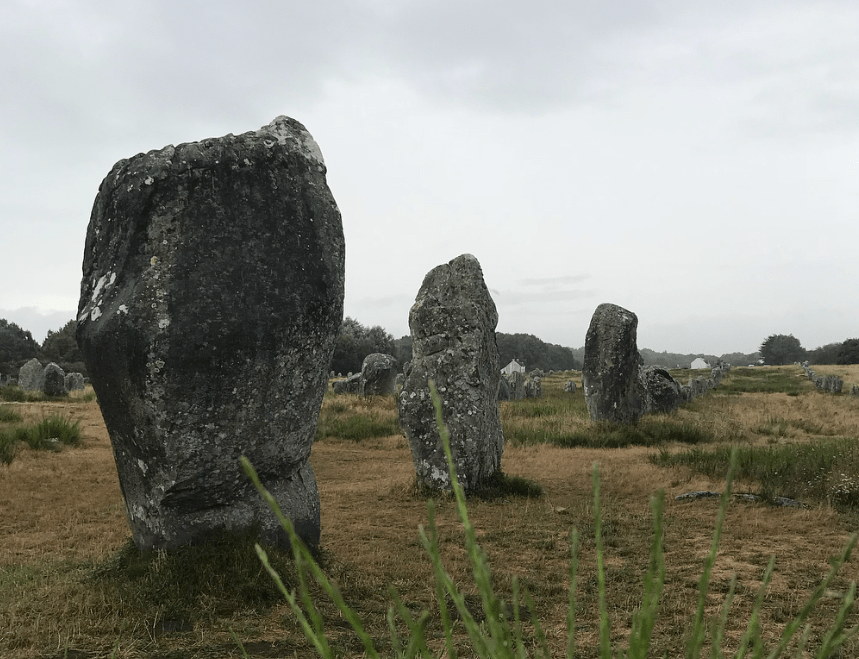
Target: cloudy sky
(696, 162)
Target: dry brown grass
(62, 517)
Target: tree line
(17, 347)
(780, 349)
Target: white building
(513, 367)
(699, 363)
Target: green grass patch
(8, 448)
(765, 380)
(826, 471)
(50, 434)
(355, 419)
(9, 415)
(13, 394)
(649, 431)
(553, 403)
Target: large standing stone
(31, 376)
(378, 375)
(54, 381)
(610, 379)
(211, 299)
(453, 324)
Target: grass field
(71, 584)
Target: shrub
(9, 415)
(8, 448)
(49, 434)
(13, 394)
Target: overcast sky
(695, 162)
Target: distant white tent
(699, 363)
(513, 367)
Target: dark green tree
(356, 342)
(403, 350)
(16, 347)
(61, 347)
(827, 354)
(780, 349)
(533, 353)
(848, 353)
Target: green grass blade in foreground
(571, 606)
(696, 639)
(430, 543)
(307, 562)
(805, 612)
(500, 639)
(644, 619)
(605, 627)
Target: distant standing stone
(452, 325)
(31, 376)
(55, 381)
(534, 386)
(75, 382)
(570, 387)
(211, 300)
(613, 391)
(662, 391)
(378, 375)
(516, 381)
(503, 389)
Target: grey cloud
(518, 297)
(555, 281)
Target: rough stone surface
(348, 385)
(610, 375)
(570, 387)
(211, 299)
(534, 386)
(452, 325)
(54, 381)
(31, 376)
(516, 382)
(503, 389)
(75, 382)
(378, 375)
(662, 390)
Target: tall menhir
(211, 299)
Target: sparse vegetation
(352, 418)
(9, 415)
(789, 380)
(50, 434)
(13, 394)
(819, 472)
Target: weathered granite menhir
(211, 299)
(610, 374)
(453, 324)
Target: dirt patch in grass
(62, 521)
